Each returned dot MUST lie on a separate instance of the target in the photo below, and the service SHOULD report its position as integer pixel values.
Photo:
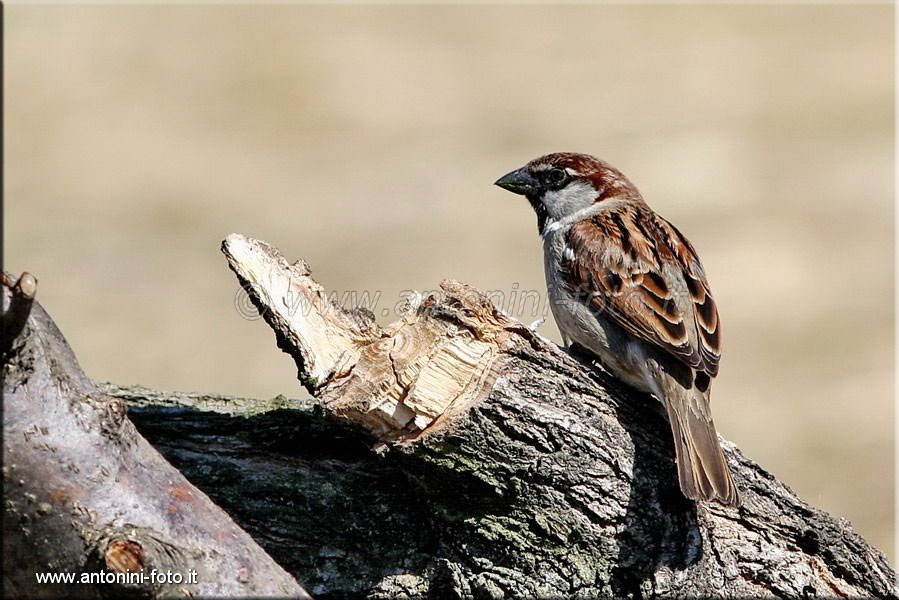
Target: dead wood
(452, 454)
(509, 468)
(84, 493)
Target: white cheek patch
(571, 199)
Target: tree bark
(86, 495)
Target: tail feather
(701, 467)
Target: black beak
(519, 182)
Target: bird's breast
(589, 328)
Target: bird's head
(561, 185)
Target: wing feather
(641, 271)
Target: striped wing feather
(642, 272)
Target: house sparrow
(627, 286)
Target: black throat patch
(540, 209)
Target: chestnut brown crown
(556, 171)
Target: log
(86, 496)
(456, 453)
(452, 454)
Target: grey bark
(561, 484)
(84, 493)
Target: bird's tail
(701, 467)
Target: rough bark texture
(85, 493)
(523, 500)
(505, 467)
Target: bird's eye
(556, 176)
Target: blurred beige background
(365, 139)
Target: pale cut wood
(399, 382)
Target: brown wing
(640, 270)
